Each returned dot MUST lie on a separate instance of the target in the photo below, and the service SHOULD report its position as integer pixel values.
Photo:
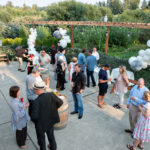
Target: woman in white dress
(120, 86)
(71, 67)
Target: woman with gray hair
(120, 86)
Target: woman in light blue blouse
(19, 116)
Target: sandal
(101, 106)
(130, 147)
(128, 131)
(115, 105)
(140, 146)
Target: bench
(4, 57)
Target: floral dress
(142, 129)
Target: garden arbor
(92, 23)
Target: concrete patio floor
(97, 130)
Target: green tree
(23, 32)
(42, 32)
(116, 6)
(134, 4)
(126, 4)
(67, 10)
(9, 4)
(5, 16)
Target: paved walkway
(98, 130)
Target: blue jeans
(90, 73)
(78, 105)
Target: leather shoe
(80, 116)
(73, 112)
(22, 70)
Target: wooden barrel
(63, 115)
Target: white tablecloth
(96, 72)
(115, 73)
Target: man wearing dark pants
(91, 62)
(78, 85)
(103, 85)
(45, 115)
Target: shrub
(17, 41)
(7, 41)
(11, 31)
(24, 42)
(23, 32)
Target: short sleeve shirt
(44, 60)
(103, 76)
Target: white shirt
(96, 54)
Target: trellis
(92, 23)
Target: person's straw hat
(39, 85)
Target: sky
(42, 3)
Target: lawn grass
(126, 53)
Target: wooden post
(72, 29)
(107, 40)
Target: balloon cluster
(31, 44)
(62, 34)
(142, 60)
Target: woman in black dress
(60, 74)
(30, 63)
(53, 52)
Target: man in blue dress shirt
(135, 99)
(91, 62)
(82, 60)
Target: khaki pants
(134, 114)
(20, 62)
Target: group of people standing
(43, 106)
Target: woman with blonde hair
(71, 67)
(120, 86)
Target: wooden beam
(72, 39)
(107, 40)
(93, 23)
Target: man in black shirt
(78, 85)
(45, 114)
(103, 85)
(59, 48)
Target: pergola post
(107, 40)
(72, 37)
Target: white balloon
(142, 52)
(139, 58)
(146, 58)
(144, 65)
(67, 38)
(148, 43)
(63, 43)
(131, 59)
(147, 51)
(62, 31)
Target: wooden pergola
(93, 23)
